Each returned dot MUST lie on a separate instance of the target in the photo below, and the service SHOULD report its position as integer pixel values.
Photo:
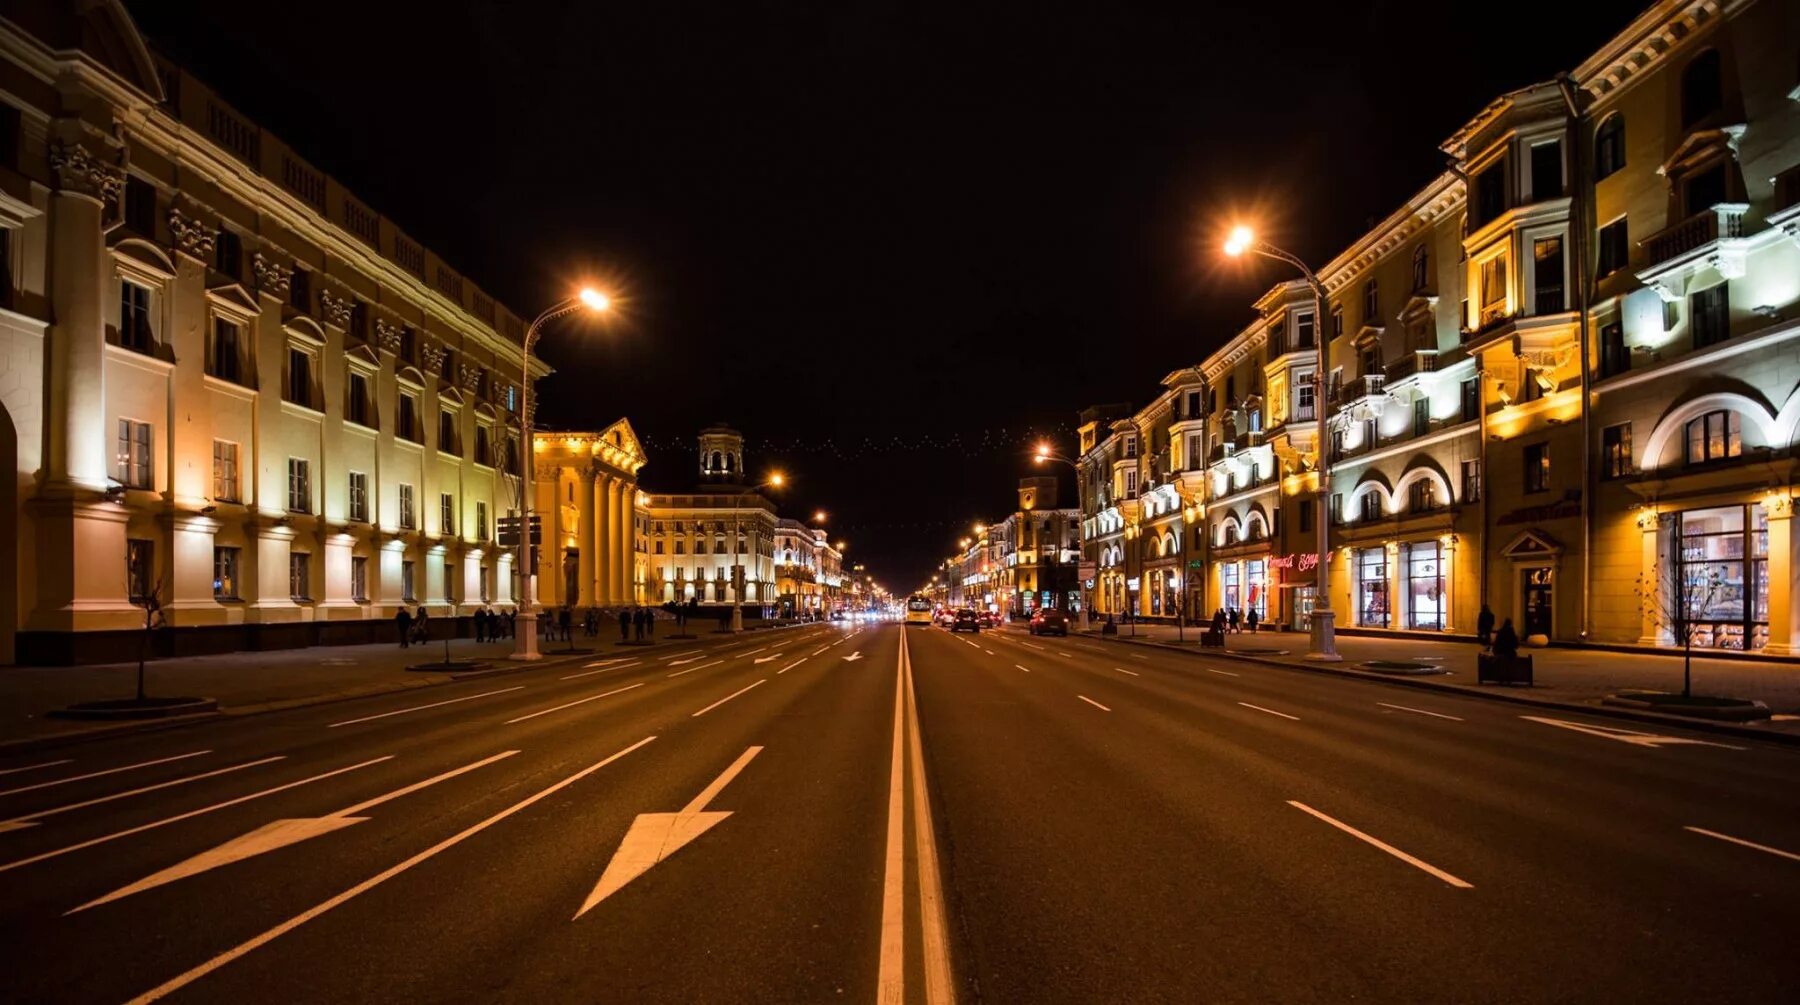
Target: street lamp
(525, 639)
(1324, 640)
(738, 573)
(1043, 453)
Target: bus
(918, 611)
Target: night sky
(892, 243)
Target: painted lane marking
(590, 673)
(278, 834)
(853, 657)
(1222, 673)
(653, 837)
(1271, 711)
(1033, 645)
(1636, 738)
(1139, 656)
(183, 816)
(189, 977)
(772, 656)
(1024, 668)
(1408, 708)
(421, 708)
(792, 665)
(1748, 844)
(1416, 863)
(1065, 655)
(601, 663)
(34, 767)
(747, 652)
(890, 974)
(990, 652)
(108, 771)
(33, 819)
(702, 666)
(671, 656)
(572, 704)
(1133, 673)
(934, 927)
(819, 650)
(695, 659)
(1094, 703)
(725, 699)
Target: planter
(1694, 706)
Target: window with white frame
(136, 332)
(133, 463)
(225, 471)
(299, 498)
(359, 497)
(359, 578)
(446, 514)
(408, 515)
(225, 572)
(481, 521)
(409, 574)
(299, 576)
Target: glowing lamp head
(1240, 241)
(776, 480)
(594, 300)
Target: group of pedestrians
(1504, 642)
(1231, 619)
(491, 625)
(641, 620)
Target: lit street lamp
(738, 573)
(525, 639)
(1324, 640)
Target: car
(945, 617)
(989, 619)
(1049, 620)
(966, 621)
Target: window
(1306, 330)
(1368, 506)
(1615, 358)
(1490, 194)
(1704, 189)
(225, 573)
(1371, 304)
(1426, 608)
(1337, 322)
(1421, 267)
(1471, 398)
(408, 516)
(1537, 467)
(6, 260)
(299, 498)
(134, 454)
(659, 546)
(1615, 450)
(135, 332)
(1372, 588)
(299, 576)
(228, 254)
(140, 206)
(446, 431)
(300, 291)
(484, 445)
(1615, 247)
(299, 376)
(1471, 481)
(1337, 444)
(1493, 288)
(359, 579)
(446, 514)
(1421, 416)
(1722, 564)
(226, 361)
(1305, 515)
(1131, 484)
(140, 570)
(1715, 436)
(1609, 146)
(1421, 497)
(358, 405)
(1701, 92)
(409, 345)
(1130, 446)
(407, 426)
(481, 523)
(1337, 508)
(1547, 275)
(225, 471)
(1711, 316)
(1546, 171)
(409, 581)
(359, 497)
(1304, 397)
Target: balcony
(1366, 386)
(1422, 361)
(1721, 222)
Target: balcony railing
(1423, 361)
(1359, 387)
(1709, 225)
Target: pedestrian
(1250, 619)
(1506, 642)
(421, 626)
(1218, 621)
(650, 624)
(637, 622)
(481, 622)
(624, 625)
(1484, 626)
(512, 619)
(1231, 618)
(565, 619)
(403, 624)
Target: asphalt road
(892, 814)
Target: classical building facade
(224, 380)
(696, 537)
(809, 570)
(1029, 559)
(595, 521)
(1562, 380)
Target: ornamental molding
(432, 356)
(191, 236)
(82, 173)
(337, 309)
(1643, 45)
(271, 276)
(470, 375)
(388, 336)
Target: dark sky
(890, 242)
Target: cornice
(1646, 42)
(1436, 201)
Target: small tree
(151, 602)
(1678, 603)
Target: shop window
(1372, 588)
(1426, 608)
(1721, 584)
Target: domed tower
(721, 456)
(1037, 492)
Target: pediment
(236, 297)
(146, 256)
(1532, 544)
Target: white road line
(819, 650)
(1139, 656)
(1133, 673)
(590, 673)
(1033, 645)
(934, 928)
(890, 974)
(725, 699)
(758, 649)
(34, 767)
(1094, 703)
(31, 819)
(1384, 846)
(1271, 711)
(1222, 673)
(1408, 708)
(1748, 844)
(183, 816)
(702, 666)
(671, 656)
(435, 704)
(579, 701)
(177, 983)
(601, 663)
(792, 665)
(990, 652)
(108, 771)
(1026, 669)
(1066, 655)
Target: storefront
(1371, 571)
(1721, 585)
(1427, 586)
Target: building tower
(1037, 492)
(721, 456)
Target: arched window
(1715, 436)
(1231, 533)
(1701, 92)
(1370, 505)
(1421, 266)
(729, 467)
(717, 463)
(1609, 146)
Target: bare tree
(1678, 600)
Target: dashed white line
(727, 698)
(702, 666)
(1747, 844)
(1271, 711)
(990, 652)
(1094, 703)
(590, 673)
(792, 665)
(671, 656)
(1133, 673)
(1384, 846)
(435, 704)
(1408, 708)
(819, 650)
(578, 701)
(1026, 669)
(108, 771)
(1222, 673)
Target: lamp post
(738, 573)
(1039, 456)
(525, 639)
(1324, 639)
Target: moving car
(966, 621)
(989, 619)
(1049, 620)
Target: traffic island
(1402, 668)
(136, 708)
(450, 666)
(1696, 706)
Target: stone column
(1653, 572)
(585, 538)
(79, 274)
(627, 542)
(549, 593)
(1784, 620)
(603, 549)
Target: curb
(1610, 711)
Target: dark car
(1049, 620)
(989, 619)
(966, 621)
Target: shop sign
(1301, 562)
(1132, 583)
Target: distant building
(698, 536)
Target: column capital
(589, 474)
(1779, 506)
(81, 171)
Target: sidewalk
(1580, 676)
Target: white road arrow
(853, 657)
(654, 837)
(767, 658)
(278, 834)
(1634, 737)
